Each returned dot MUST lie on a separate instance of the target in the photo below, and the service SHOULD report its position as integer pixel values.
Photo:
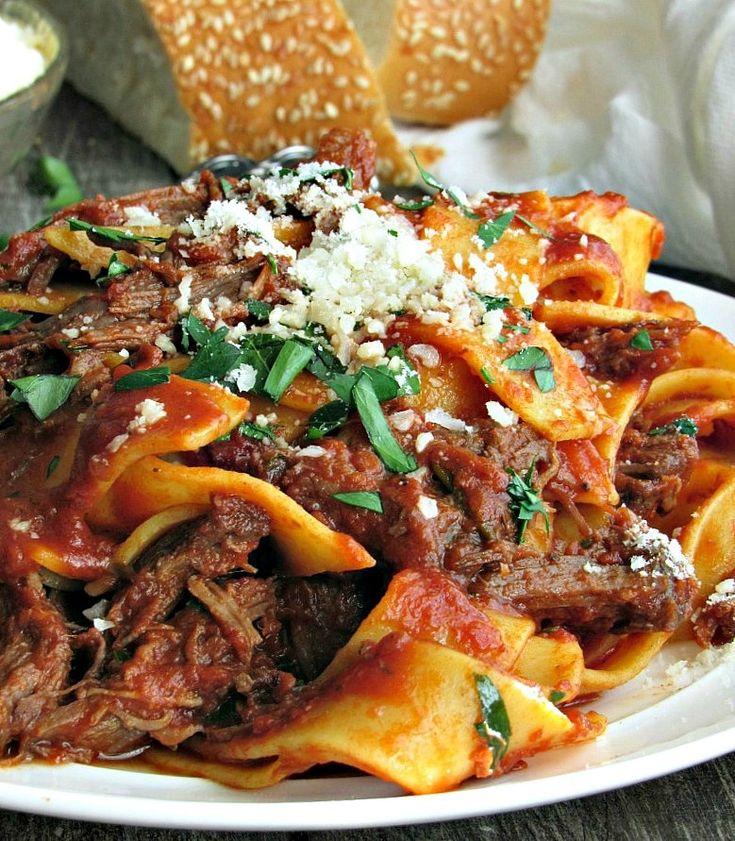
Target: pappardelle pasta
(296, 475)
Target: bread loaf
(442, 61)
(193, 78)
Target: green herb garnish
(495, 725)
(52, 465)
(4, 241)
(58, 180)
(44, 393)
(642, 340)
(259, 310)
(227, 189)
(435, 184)
(111, 233)
(524, 500)
(193, 329)
(534, 359)
(682, 425)
(487, 376)
(253, 430)
(327, 418)
(377, 429)
(273, 263)
(115, 268)
(419, 204)
(494, 302)
(143, 379)
(9, 320)
(369, 500)
(556, 696)
(215, 358)
(292, 358)
(490, 231)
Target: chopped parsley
(273, 263)
(419, 204)
(556, 696)
(642, 340)
(254, 430)
(10, 320)
(487, 376)
(327, 418)
(115, 268)
(682, 425)
(113, 234)
(537, 360)
(377, 429)
(291, 360)
(494, 302)
(495, 725)
(435, 184)
(52, 465)
(58, 181)
(490, 231)
(260, 310)
(43, 393)
(370, 500)
(215, 358)
(524, 500)
(143, 379)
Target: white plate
(654, 730)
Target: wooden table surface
(695, 804)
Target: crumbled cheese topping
(423, 439)
(656, 551)
(140, 216)
(724, 592)
(501, 414)
(527, 290)
(683, 673)
(243, 377)
(427, 355)
(427, 507)
(149, 412)
(164, 343)
(182, 302)
(312, 451)
(442, 418)
(403, 421)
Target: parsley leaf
(59, 182)
(259, 433)
(641, 340)
(9, 320)
(327, 418)
(494, 302)
(112, 234)
(491, 230)
(292, 358)
(260, 310)
(495, 725)
(487, 376)
(535, 228)
(534, 359)
(435, 184)
(193, 328)
(682, 425)
(369, 500)
(524, 500)
(419, 204)
(377, 429)
(143, 379)
(405, 375)
(44, 393)
(556, 696)
(52, 465)
(115, 268)
(214, 359)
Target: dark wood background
(694, 804)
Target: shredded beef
(609, 355)
(651, 469)
(715, 624)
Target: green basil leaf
(419, 204)
(682, 425)
(260, 350)
(111, 233)
(525, 500)
(642, 340)
(490, 232)
(44, 393)
(327, 418)
(495, 725)
(369, 500)
(193, 328)
(59, 181)
(377, 429)
(494, 302)
(384, 383)
(259, 433)
(292, 358)
(259, 310)
(115, 268)
(143, 379)
(534, 359)
(214, 359)
(405, 375)
(341, 385)
(9, 320)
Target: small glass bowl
(21, 114)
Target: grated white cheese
(685, 672)
(427, 355)
(501, 414)
(149, 413)
(243, 376)
(427, 507)
(141, 216)
(527, 290)
(656, 551)
(182, 302)
(724, 592)
(312, 451)
(423, 439)
(442, 418)
(403, 421)
(165, 344)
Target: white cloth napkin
(634, 97)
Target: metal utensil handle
(240, 166)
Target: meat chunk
(610, 355)
(715, 624)
(353, 149)
(651, 470)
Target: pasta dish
(295, 474)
